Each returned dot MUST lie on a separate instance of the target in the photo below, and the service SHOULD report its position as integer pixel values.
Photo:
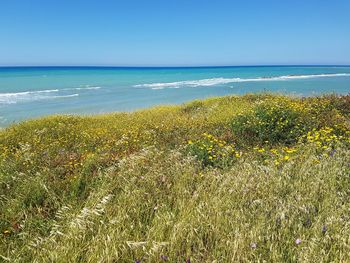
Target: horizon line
(162, 67)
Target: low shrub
(213, 151)
(274, 122)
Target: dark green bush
(278, 122)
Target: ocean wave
(30, 92)
(64, 96)
(26, 96)
(88, 88)
(218, 81)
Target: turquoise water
(33, 92)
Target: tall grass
(188, 183)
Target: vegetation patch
(233, 179)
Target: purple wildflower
(324, 229)
(332, 152)
(298, 241)
(253, 245)
(163, 257)
(188, 260)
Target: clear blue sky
(174, 32)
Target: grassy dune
(230, 179)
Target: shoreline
(30, 93)
(155, 107)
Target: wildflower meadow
(253, 178)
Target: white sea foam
(64, 96)
(218, 81)
(89, 88)
(12, 98)
(26, 96)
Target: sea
(32, 92)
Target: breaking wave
(88, 88)
(27, 96)
(218, 81)
(12, 98)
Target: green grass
(230, 179)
